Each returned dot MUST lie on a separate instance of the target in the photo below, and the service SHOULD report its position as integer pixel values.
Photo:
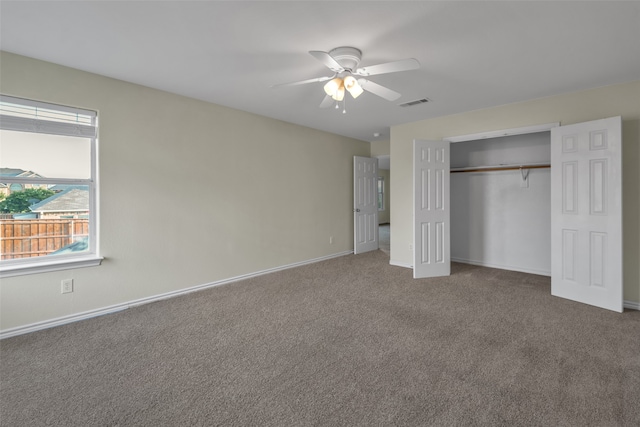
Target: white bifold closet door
(586, 213)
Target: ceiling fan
(344, 61)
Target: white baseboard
(632, 305)
(502, 267)
(33, 327)
(400, 264)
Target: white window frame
(380, 179)
(22, 266)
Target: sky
(50, 156)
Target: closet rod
(499, 168)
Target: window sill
(44, 267)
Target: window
(380, 193)
(47, 187)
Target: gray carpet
(350, 341)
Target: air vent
(416, 102)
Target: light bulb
(349, 82)
(339, 94)
(352, 85)
(356, 91)
(332, 87)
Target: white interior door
(365, 204)
(431, 227)
(586, 213)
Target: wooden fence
(23, 238)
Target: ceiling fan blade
(304, 82)
(326, 102)
(327, 60)
(376, 89)
(389, 67)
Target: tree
(19, 201)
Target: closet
(545, 200)
(500, 199)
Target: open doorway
(384, 204)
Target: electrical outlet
(67, 286)
(410, 247)
(331, 240)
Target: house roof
(13, 173)
(69, 200)
(473, 54)
(62, 187)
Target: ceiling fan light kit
(352, 85)
(333, 86)
(343, 61)
(336, 87)
(338, 95)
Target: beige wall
(380, 148)
(619, 100)
(190, 193)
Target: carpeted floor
(350, 341)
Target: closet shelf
(501, 168)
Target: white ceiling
(473, 54)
